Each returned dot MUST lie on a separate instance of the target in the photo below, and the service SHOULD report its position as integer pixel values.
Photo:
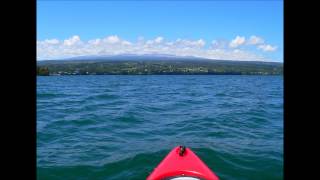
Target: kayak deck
(182, 164)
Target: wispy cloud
(254, 40)
(267, 47)
(113, 45)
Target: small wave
(137, 167)
(220, 94)
(102, 97)
(129, 119)
(49, 95)
(65, 123)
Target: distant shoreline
(166, 75)
(157, 67)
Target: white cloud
(95, 41)
(112, 39)
(254, 40)
(267, 47)
(189, 43)
(71, 41)
(201, 43)
(126, 43)
(239, 40)
(219, 44)
(112, 45)
(52, 41)
(158, 39)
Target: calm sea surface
(121, 127)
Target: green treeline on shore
(158, 67)
(43, 71)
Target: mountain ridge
(145, 57)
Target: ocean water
(121, 127)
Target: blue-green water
(120, 127)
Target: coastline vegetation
(43, 71)
(158, 67)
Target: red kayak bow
(182, 164)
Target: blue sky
(206, 28)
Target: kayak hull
(176, 165)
